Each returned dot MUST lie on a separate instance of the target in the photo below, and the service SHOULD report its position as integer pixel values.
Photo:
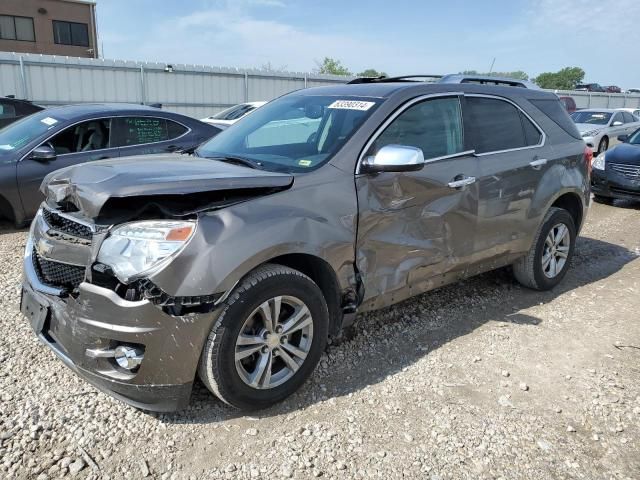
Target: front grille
(632, 172)
(56, 274)
(64, 225)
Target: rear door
(512, 160)
(414, 229)
(141, 135)
(82, 142)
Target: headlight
(139, 248)
(600, 161)
(590, 133)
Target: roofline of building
(86, 2)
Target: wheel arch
(572, 203)
(321, 272)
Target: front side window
(617, 118)
(498, 125)
(434, 126)
(294, 133)
(628, 118)
(71, 33)
(129, 131)
(17, 28)
(21, 133)
(83, 137)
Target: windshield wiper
(245, 162)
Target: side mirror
(617, 123)
(394, 158)
(43, 153)
(623, 138)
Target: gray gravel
(477, 380)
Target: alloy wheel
(556, 250)
(274, 342)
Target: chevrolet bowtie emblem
(43, 247)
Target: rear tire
(251, 362)
(548, 259)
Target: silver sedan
(601, 127)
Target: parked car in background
(633, 111)
(568, 103)
(238, 262)
(613, 89)
(231, 115)
(600, 127)
(62, 136)
(590, 87)
(633, 90)
(616, 172)
(12, 109)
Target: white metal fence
(194, 90)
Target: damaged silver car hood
(154, 178)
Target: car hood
(587, 127)
(178, 183)
(625, 153)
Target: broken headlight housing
(141, 248)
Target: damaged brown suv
(237, 262)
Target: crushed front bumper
(97, 320)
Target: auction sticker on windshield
(49, 121)
(352, 105)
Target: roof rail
(403, 78)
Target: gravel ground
(477, 380)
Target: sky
(398, 37)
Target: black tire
(529, 270)
(603, 145)
(601, 199)
(217, 366)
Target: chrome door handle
(462, 183)
(537, 164)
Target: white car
(632, 111)
(231, 115)
(600, 127)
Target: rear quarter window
(556, 112)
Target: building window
(17, 28)
(71, 33)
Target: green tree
(371, 72)
(518, 74)
(565, 79)
(332, 66)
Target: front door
(416, 229)
(79, 143)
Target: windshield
(595, 118)
(634, 138)
(234, 112)
(294, 133)
(18, 134)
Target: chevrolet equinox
(236, 262)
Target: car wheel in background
(547, 262)
(267, 340)
(603, 145)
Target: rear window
(495, 125)
(556, 112)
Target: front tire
(548, 259)
(267, 340)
